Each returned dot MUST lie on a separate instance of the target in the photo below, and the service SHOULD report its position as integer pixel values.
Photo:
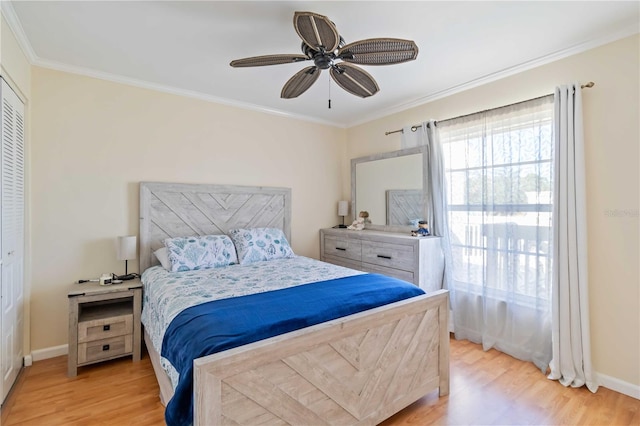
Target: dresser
(418, 260)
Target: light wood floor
(487, 388)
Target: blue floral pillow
(258, 244)
(202, 252)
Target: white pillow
(162, 254)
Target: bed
(355, 369)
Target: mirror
(390, 187)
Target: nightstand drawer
(396, 256)
(342, 247)
(104, 349)
(105, 328)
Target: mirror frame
(393, 154)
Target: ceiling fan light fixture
(322, 44)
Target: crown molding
(115, 78)
(525, 66)
(16, 27)
(14, 23)
(7, 11)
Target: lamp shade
(343, 208)
(126, 247)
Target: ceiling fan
(322, 44)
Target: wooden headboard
(180, 210)
(403, 205)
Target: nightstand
(104, 323)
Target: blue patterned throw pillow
(201, 252)
(259, 244)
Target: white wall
(612, 137)
(93, 141)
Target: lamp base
(340, 226)
(126, 277)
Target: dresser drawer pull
(105, 347)
(106, 327)
(340, 248)
(384, 257)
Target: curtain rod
(417, 126)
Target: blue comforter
(228, 323)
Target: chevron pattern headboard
(181, 210)
(403, 205)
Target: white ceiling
(186, 46)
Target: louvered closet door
(12, 240)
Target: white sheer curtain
(571, 363)
(437, 195)
(499, 170)
(427, 134)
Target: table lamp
(126, 250)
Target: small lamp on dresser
(343, 210)
(126, 250)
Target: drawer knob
(384, 257)
(106, 327)
(105, 347)
(340, 248)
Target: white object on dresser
(418, 260)
(104, 323)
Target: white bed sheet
(166, 294)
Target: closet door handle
(384, 257)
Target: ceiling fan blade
(379, 51)
(300, 82)
(354, 80)
(316, 31)
(258, 61)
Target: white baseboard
(46, 353)
(603, 380)
(618, 385)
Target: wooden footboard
(359, 369)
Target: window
(499, 171)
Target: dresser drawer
(342, 247)
(104, 349)
(341, 261)
(396, 256)
(390, 272)
(105, 328)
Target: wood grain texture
(181, 210)
(404, 205)
(418, 260)
(489, 388)
(90, 309)
(358, 369)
